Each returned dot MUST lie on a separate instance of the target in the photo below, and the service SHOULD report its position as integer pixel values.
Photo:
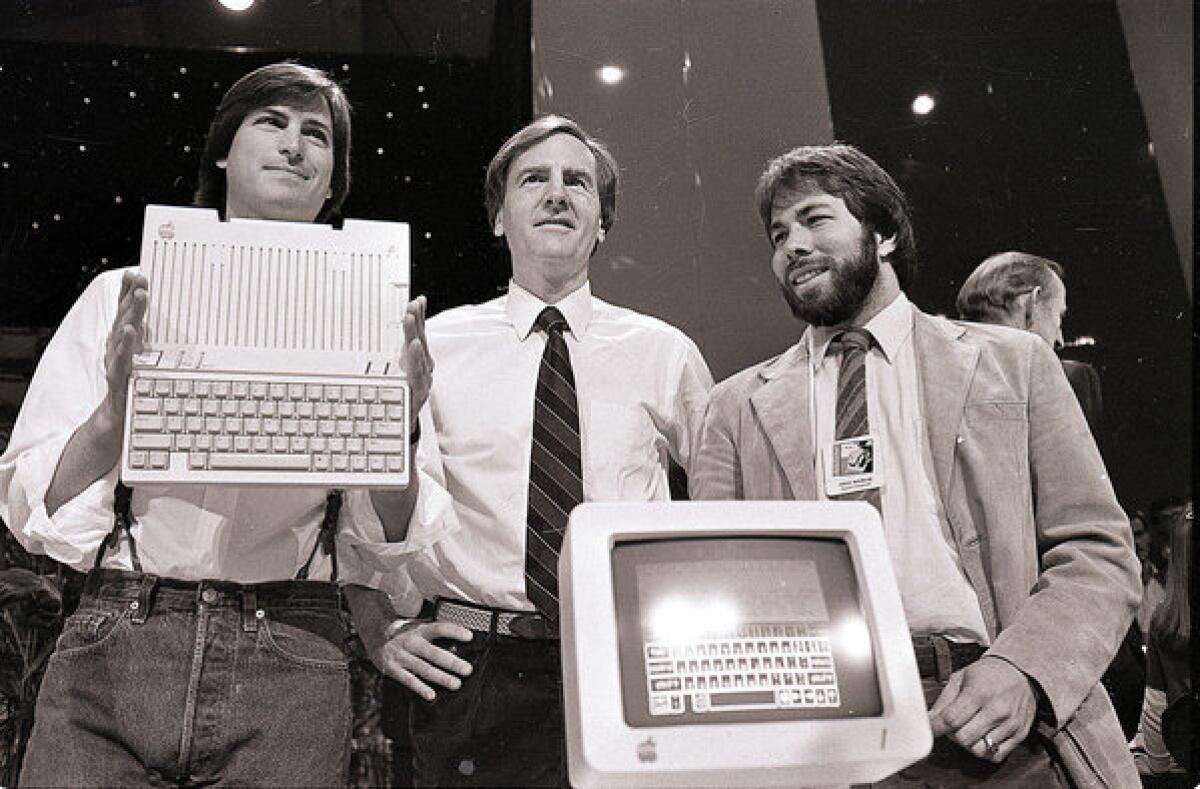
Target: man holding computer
(542, 398)
(1014, 561)
(211, 644)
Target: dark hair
(845, 172)
(289, 84)
(1171, 622)
(989, 293)
(540, 129)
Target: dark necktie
(851, 411)
(555, 465)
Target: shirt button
(209, 596)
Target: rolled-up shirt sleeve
(361, 534)
(67, 386)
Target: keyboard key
(145, 405)
(198, 460)
(248, 408)
(162, 388)
(279, 444)
(278, 391)
(258, 390)
(138, 459)
(320, 462)
(253, 461)
(391, 394)
(337, 445)
(214, 424)
(252, 425)
(191, 406)
(240, 389)
(175, 424)
(222, 443)
(211, 407)
(158, 460)
(233, 424)
(295, 391)
(340, 462)
(314, 391)
(305, 410)
(368, 394)
(150, 441)
(220, 389)
(358, 463)
(202, 388)
(148, 424)
(183, 388)
(318, 444)
(333, 393)
(386, 446)
(350, 393)
(389, 429)
(241, 443)
(268, 408)
(143, 386)
(299, 445)
(262, 443)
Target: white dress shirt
(936, 595)
(188, 532)
(642, 387)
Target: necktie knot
(550, 319)
(851, 339)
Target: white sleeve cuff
(432, 519)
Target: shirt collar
(523, 309)
(890, 327)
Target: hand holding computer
(124, 342)
(987, 708)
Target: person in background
(1162, 754)
(212, 641)
(1028, 292)
(1014, 561)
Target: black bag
(1178, 730)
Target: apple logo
(647, 751)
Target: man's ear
(1023, 306)
(885, 246)
(222, 163)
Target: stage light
(611, 75)
(1079, 342)
(923, 104)
(237, 5)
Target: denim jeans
(503, 727)
(162, 682)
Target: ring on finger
(989, 744)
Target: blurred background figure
(1027, 292)
(1163, 747)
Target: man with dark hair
(543, 398)
(203, 649)
(1014, 561)
(1028, 292)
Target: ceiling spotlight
(237, 5)
(611, 75)
(923, 104)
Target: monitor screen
(730, 629)
(735, 643)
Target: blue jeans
(503, 727)
(156, 681)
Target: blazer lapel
(944, 369)
(781, 406)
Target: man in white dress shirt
(640, 387)
(211, 642)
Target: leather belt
(958, 654)
(518, 624)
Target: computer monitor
(727, 643)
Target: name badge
(852, 465)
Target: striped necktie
(851, 410)
(555, 465)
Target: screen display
(727, 629)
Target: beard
(851, 279)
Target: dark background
(1039, 142)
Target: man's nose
(289, 144)
(555, 192)
(798, 242)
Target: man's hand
(125, 340)
(990, 702)
(418, 364)
(412, 659)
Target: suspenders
(123, 522)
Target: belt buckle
(533, 626)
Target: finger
(438, 657)
(431, 673)
(410, 681)
(948, 695)
(434, 630)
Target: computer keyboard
(261, 429)
(777, 667)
